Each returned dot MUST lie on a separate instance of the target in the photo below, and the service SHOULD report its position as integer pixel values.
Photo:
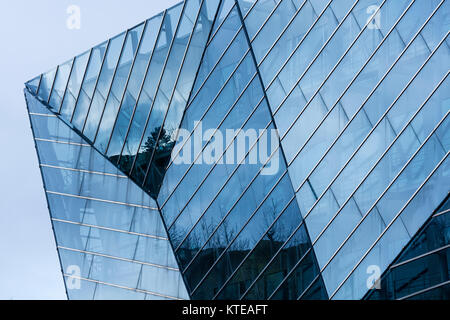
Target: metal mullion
(442, 284)
(39, 84)
(118, 286)
(240, 230)
(312, 62)
(282, 33)
(250, 9)
(113, 79)
(215, 98)
(254, 247)
(100, 200)
(215, 164)
(275, 255)
(220, 191)
(53, 84)
(276, 184)
(109, 229)
(280, 147)
(309, 286)
(98, 254)
(334, 69)
(82, 170)
(251, 182)
(144, 29)
(298, 45)
(63, 142)
(51, 87)
(204, 147)
(384, 192)
(96, 82)
(42, 114)
(213, 68)
(220, 25)
(373, 167)
(199, 67)
(441, 213)
(375, 164)
(304, 222)
(223, 186)
(362, 143)
(81, 85)
(310, 249)
(44, 183)
(67, 85)
(352, 118)
(426, 254)
(392, 222)
(142, 85)
(177, 79)
(212, 168)
(163, 70)
(265, 20)
(223, 53)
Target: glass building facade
(148, 200)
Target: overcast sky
(35, 38)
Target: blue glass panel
(216, 199)
(51, 128)
(116, 272)
(392, 240)
(217, 49)
(74, 85)
(118, 87)
(33, 84)
(156, 145)
(89, 84)
(148, 92)
(271, 30)
(98, 186)
(421, 265)
(46, 84)
(232, 218)
(71, 235)
(107, 292)
(85, 292)
(259, 120)
(375, 220)
(374, 182)
(133, 87)
(231, 119)
(74, 156)
(75, 261)
(112, 243)
(163, 281)
(243, 234)
(59, 87)
(103, 86)
(299, 280)
(155, 251)
(282, 226)
(288, 255)
(259, 13)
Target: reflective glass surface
(240, 149)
